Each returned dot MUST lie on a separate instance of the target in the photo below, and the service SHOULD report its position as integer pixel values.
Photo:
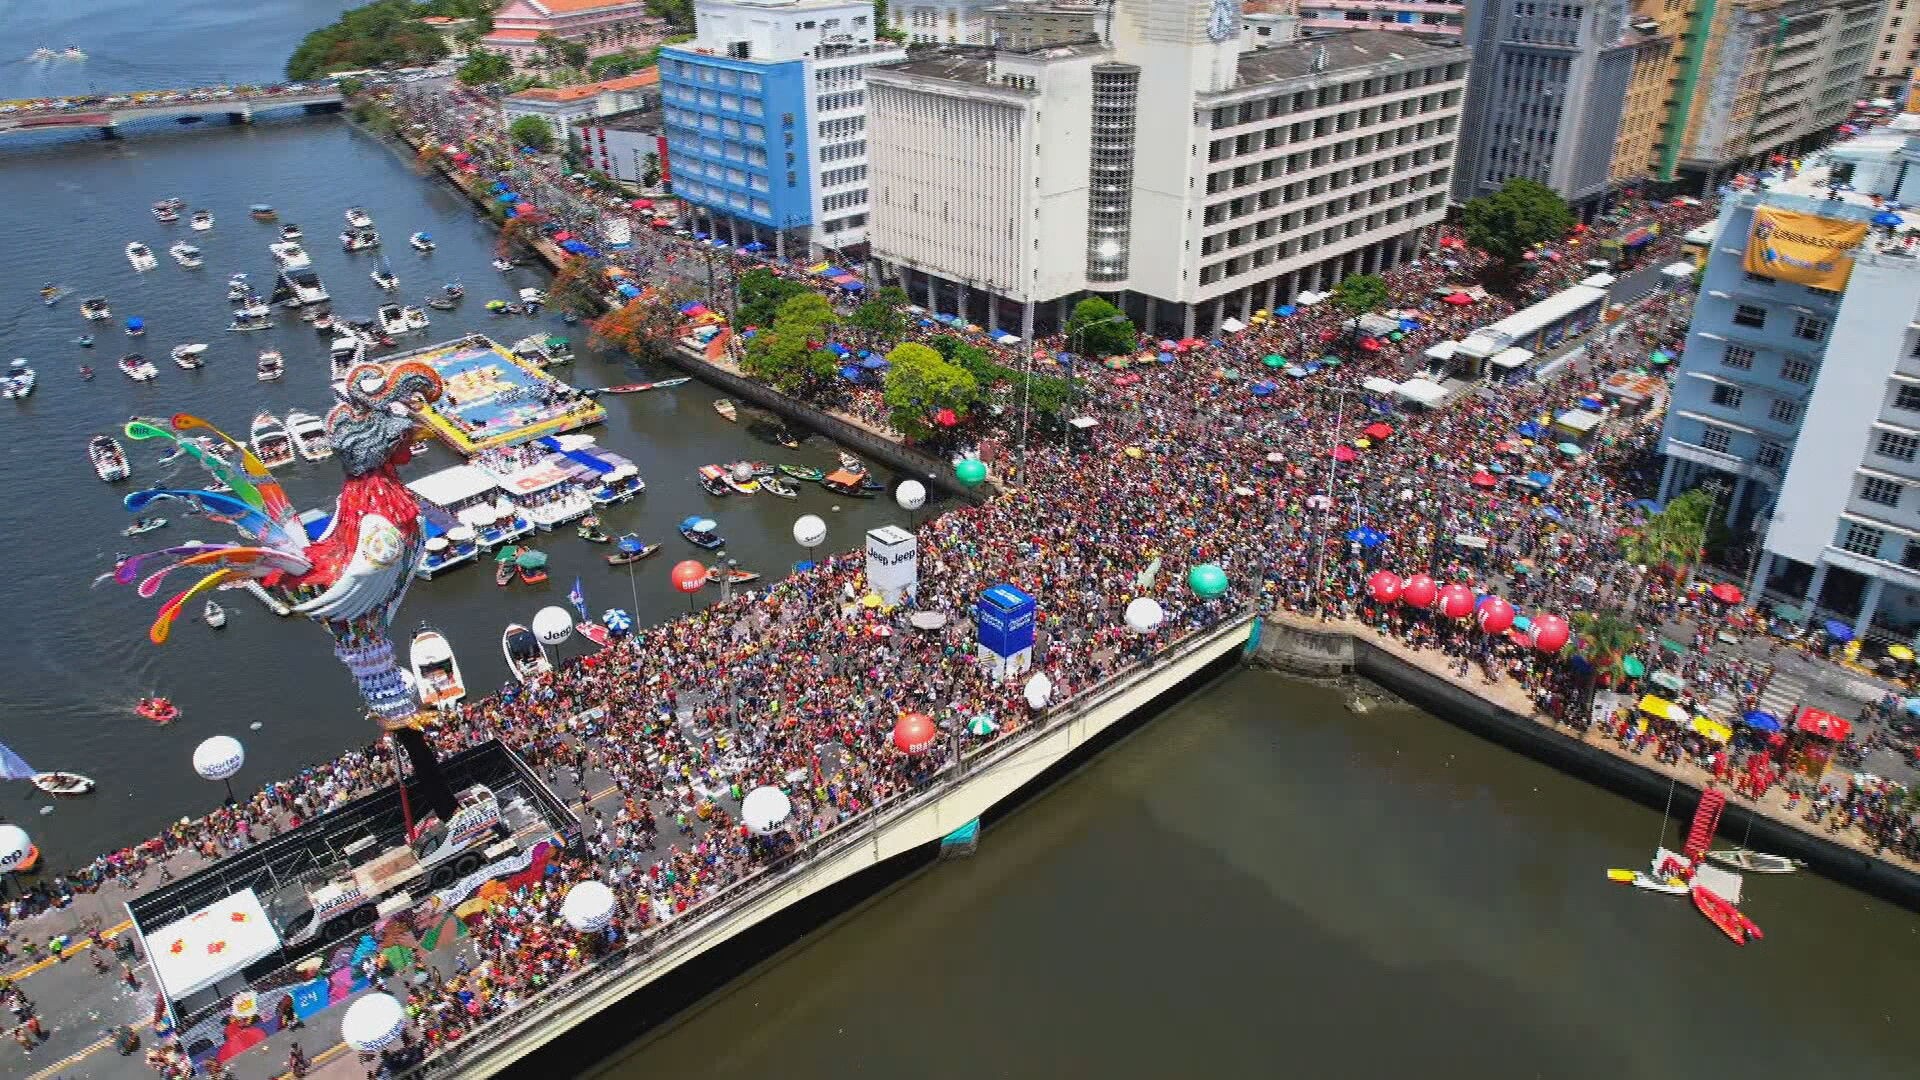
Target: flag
(578, 599)
(13, 766)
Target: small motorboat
(18, 382)
(144, 525)
(359, 240)
(86, 373)
(589, 530)
(441, 303)
(323, 322)
(141, 256)
(201, 221)
(135, 367)
(740, 482)
(290, 231)
(262, 212)
(63, 784)
(415, 319)
(526, 657)
(189, 356)
(454, 291)
(852, 464)
(702, 533)
(213, 615)
(1755, 861)
(643, 387)
(157, 709)
(737, 575)
(136, 326)
(868, 483)
(95, 308)
(393, 320)
(167, 211)
(237, 287)
(289, 255)
(531, 299)
(270, 441)
(436, 673)
(50, 293)
(269, 367)
(309, 435)
(802, 472)
(384, 277)
(1738, 928)
(504, 568)
(187, 255)
(358, 219)
(532, 566)
(503, 265)
(632, 550)
(420, 242)
(773, 485)
(109, 460)
(726, 409)
(842, 482)
(713, 480)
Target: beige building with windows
(1896, 51)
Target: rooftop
(646, 121)
(576, 7)
(1350, 51)
(562, 94)
(975, 63)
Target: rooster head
(379, 410)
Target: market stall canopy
(1232, 326)
(1423, 392)
(1823, 724)
(1511, 358)
(1664, 709)
(1760, 720)
(219, 940)
(1374, 384)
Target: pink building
(603, 26)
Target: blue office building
(737, 142)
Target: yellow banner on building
(1804, 248)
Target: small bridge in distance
(106, 113)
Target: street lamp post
(1073, 381)
(1333, 466)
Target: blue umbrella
(1367, 536)
(616, 620)
(1541, 479)
(1839, 631)
(1887, 219)
(632, 545)
(1286, 310)
(1913, 706)
(1166, 358)
(850, 373)
(1409, 324)
(803, 566)
(1761, 720)
(1262, 389)
(1529, 429)
(1522, 623)
(1550, 513)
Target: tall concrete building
(941, 22)
(1797, 403)
(1896, 51)
(1446, 18)
(765, 117)
(1177, 170)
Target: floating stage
(494, 399)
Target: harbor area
(494, 398)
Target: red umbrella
(1495, 615)
(1419, 591)
(1458, 299)
(1345, 453)
(1726, 593)
(1483, 479)
(1328, 335)
(1370, 344)
(1823, 724)
(523, 208)
(641, 204)
(1377, 432)
(1550, 633)
(1455, 601)
(1384, 586)
(945, 418)
(914, 732)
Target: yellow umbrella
(1135, 452)
(1717, 732)
(1664, 709)
(1899, 652)
(1363, 444)
(871, 600)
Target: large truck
(373, 881)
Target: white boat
(384, 277)
(201, 221)
(436, 673)
(109, 461)
(309, 436)
(290, 231)
(359, 239)
(348, 350)
(415, 318)
(214, 615)
(503, 265)
(532, 297)
(187, 255)
(136, 367)
(289, 255)
(1672, 886)
(72, 52)
(95, 308)
(526, 657)
(300, 288)
(43, 53)
(358, 219)
(270, 441)
(1755, 862)
(421, 242)
(270, 366)
(141, 256)
(255, 316)
(62, 784)
(166, 211)
(188, 356)
(18, 381)
(237, 287)
(392, 319)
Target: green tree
(385, 33)
(1512, 220)
(882, 315)
(560, 52)
(1097, 328)
(483, 67)
(1359, 294)
(677, 13)
(919, 383)
(650, 171)
(531, 131)
(614, 65)
(788, 354)
(762, 292)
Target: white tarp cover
(1377, 385)
(1422, 392)
(1678, 271)
(1511, 358)
(1443, 351)
(211, 944)
(1232, 326)
(451, 487)
(1578, 421)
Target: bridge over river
(108, 113)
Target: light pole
(1333, 466)
(1073, 382)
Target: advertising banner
(1806, 249)
(893, 566)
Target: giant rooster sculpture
(352, 578)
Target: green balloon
(1207, 581)
(971, 472)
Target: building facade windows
(1749, 315)
(1738, 357)
(1717, 439)
(1886, 492)
(1897, 446)
(1728, 397)
(1810, 327)
(1796, 370)
(1862, 540)
(1786, 412)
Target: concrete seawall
(1296, 647)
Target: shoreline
(1502, 712)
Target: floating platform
(494, 398)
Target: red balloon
(1550, 633)
(1419, 591)
(1455, 601)
(689, 576)
(914, 732)
(1495, 615)
(1385, 586)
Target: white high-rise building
(1179, 170)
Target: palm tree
(1606, 637)
(650, 171)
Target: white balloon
(588, 906)
(809, 531)
(1039, 690)
(742, 471)
(219, 757)
(552, 625)
(1144, 615)
(911, 495)
(373, 1022)
(14, 845)
(765, 809)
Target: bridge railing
(228, 95)
(640, 949)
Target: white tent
(1678, 271)
(1377, 385)
(1232, 326)
(1422, 392)
(218, 940)
(1508, 359)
